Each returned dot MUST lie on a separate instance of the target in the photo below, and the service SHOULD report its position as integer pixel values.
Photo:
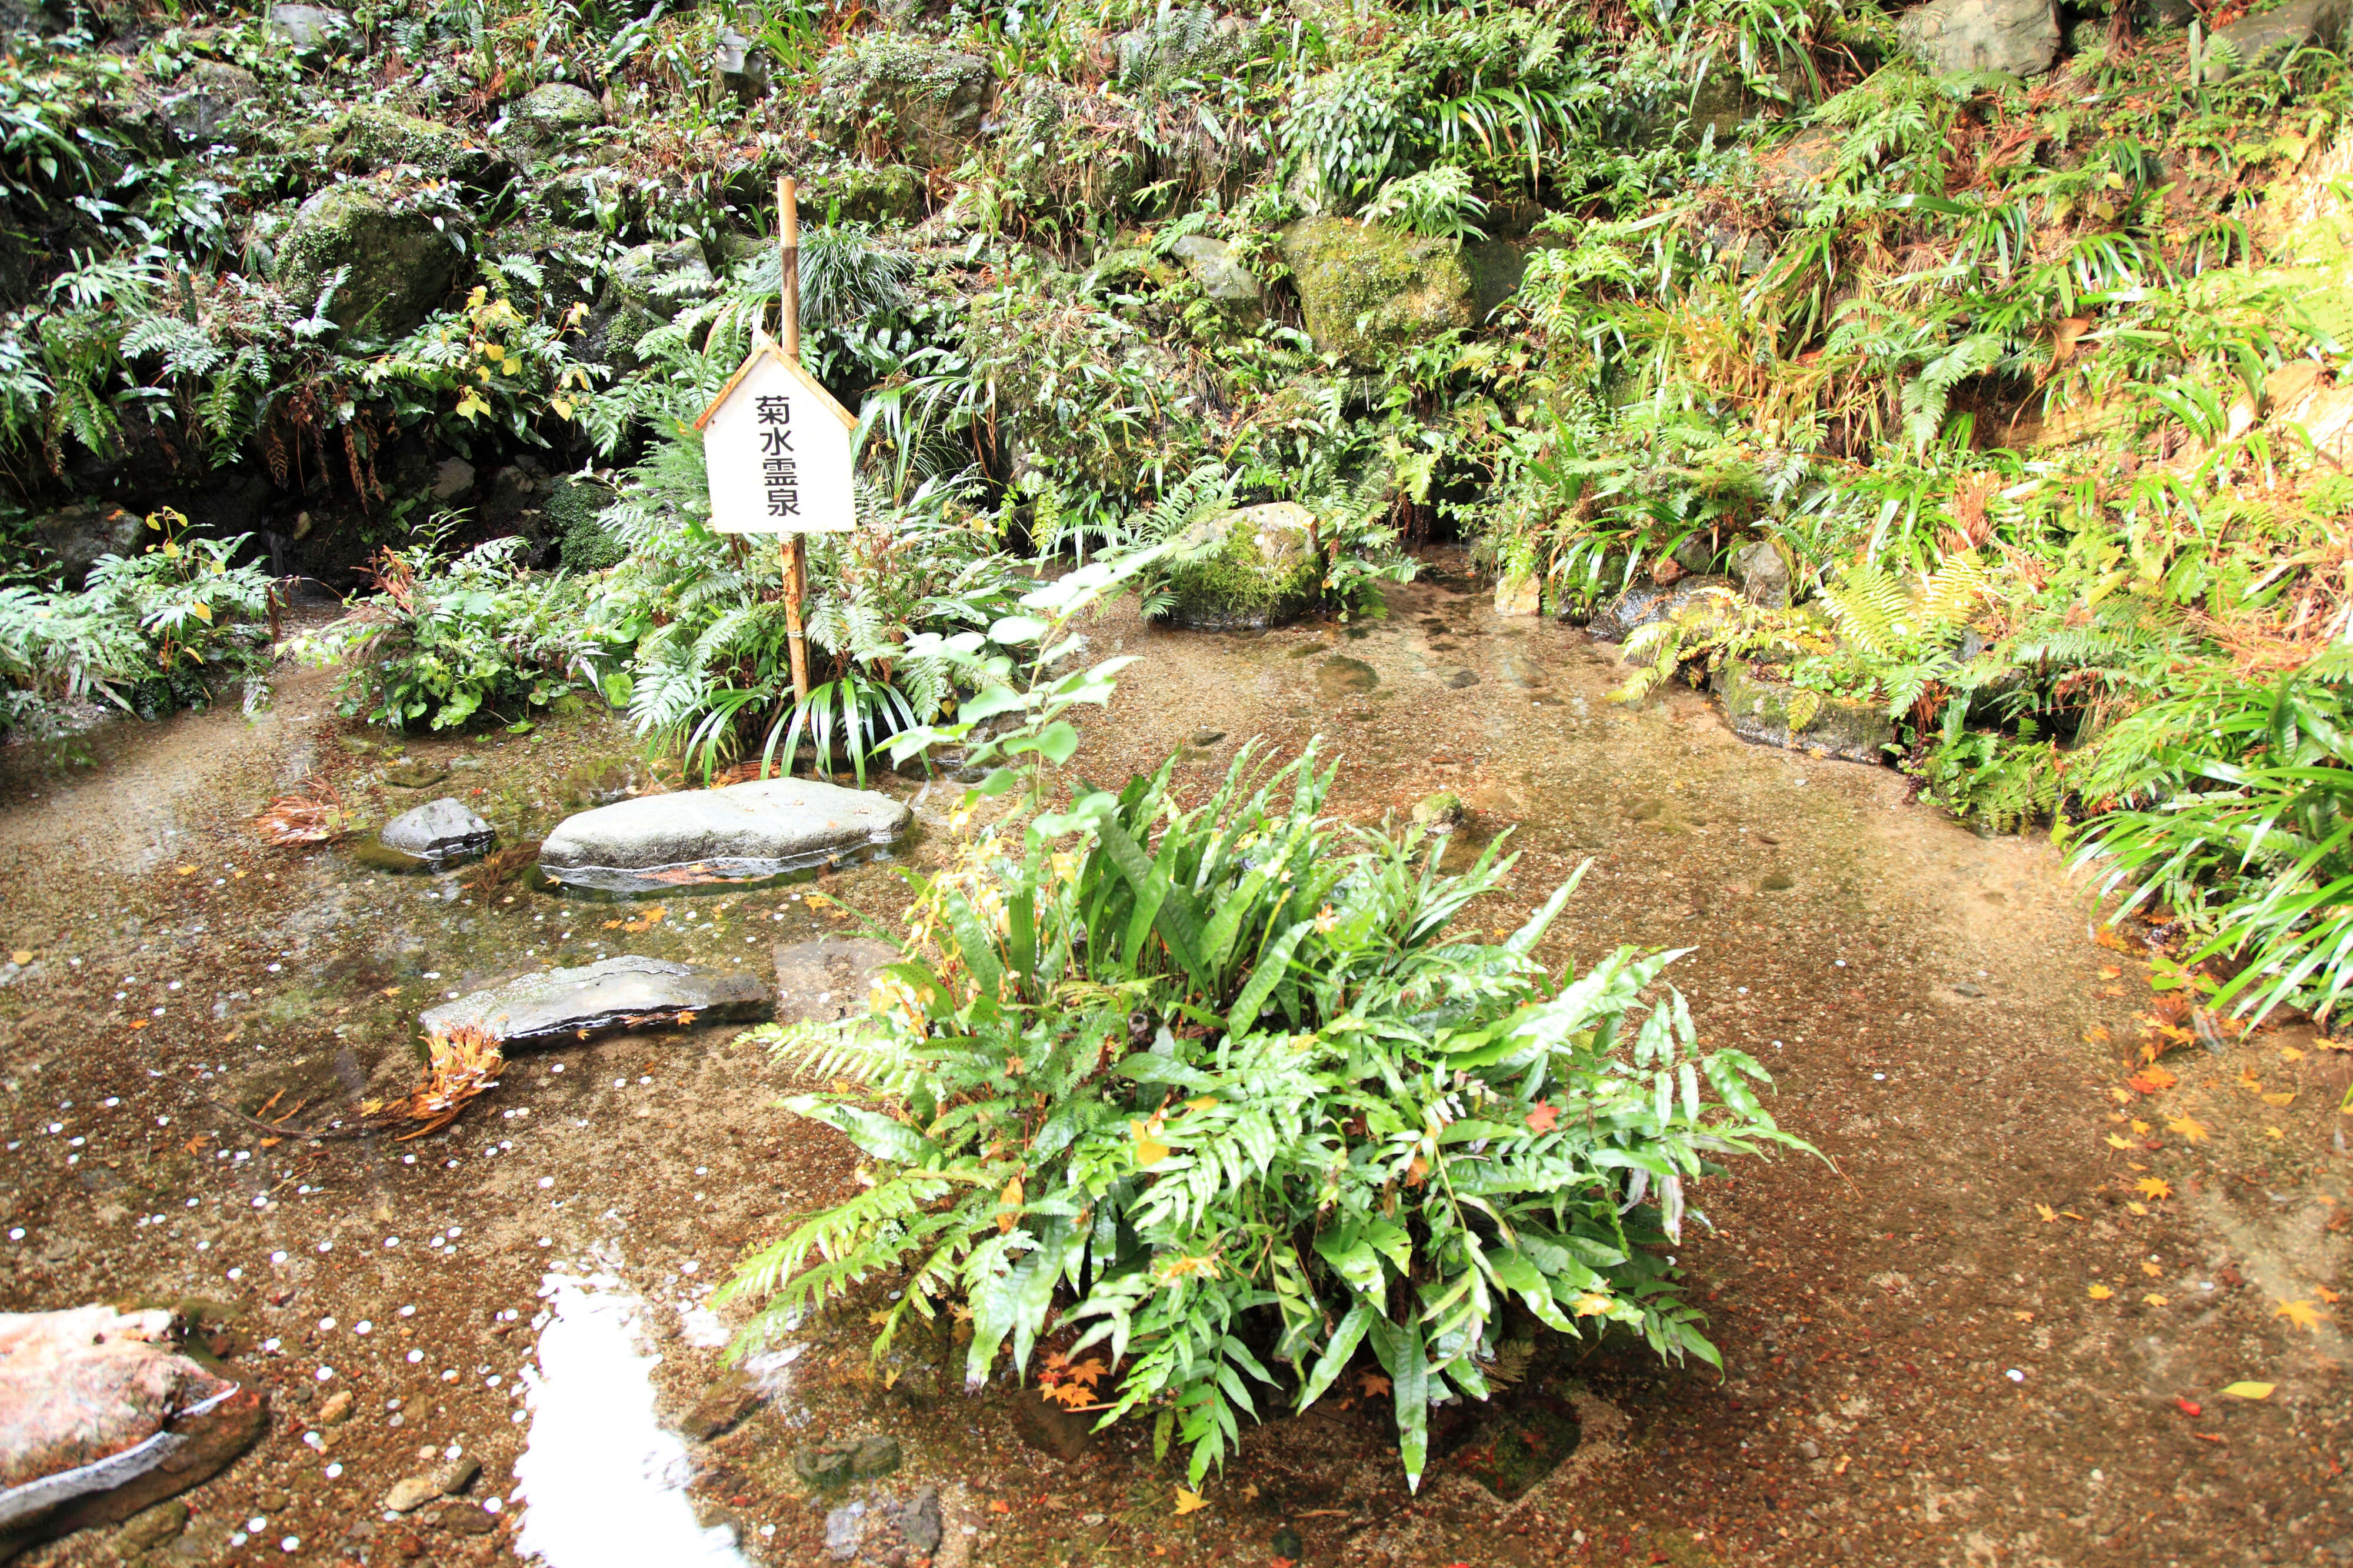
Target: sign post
(778, 446)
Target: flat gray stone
(744, 832)
(439, 831)
(612, 993)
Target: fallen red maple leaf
(2187, 1406)
(1541, 1120)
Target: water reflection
(605, 1484)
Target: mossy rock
(555, 111)
(1254, 566)
(933, 98)
(1363, 288)
(888, 196)
(1059, 149)
(1759, 708)
(400, 266)
(574, 508)
(372, 138)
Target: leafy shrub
(1438, 203)
(150, 632)
(446, 639)
(1216, 1086)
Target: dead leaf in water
(2189, 1129)
(2303, 1314)
(2152, 1080)
(2049, 1215)
(2099, 1293)
(2250, 1390)
(2154, 1187)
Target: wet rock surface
(1640, 605)
(1759, 708)
(439, 833)
(102, 1414)
(765, 828)
(2020, 37)
(613, 994)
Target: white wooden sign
(778, 446)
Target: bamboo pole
(795, 565)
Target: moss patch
(1361, 287)
(1251, 567)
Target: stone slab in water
(102, 1415)
(612, 993)
(744, 831)
(439, 831)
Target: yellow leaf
(202, 611)
(2151, 1269)
(2022, 1315)
(2153, 1299)
(2122, 1096)
(2096, 1036)
(2279, 1101)
(2303, 1314)
(2154, 1187)
(187, 871)
(2274, 1132)
(2137, 1208)
(2250, 1390)
(21, 956)
(1592, 1304)
(2049, 1215)
(2140, 1127)
(1149, 1150)
(1189, 1500)
(562, 406)
(2325, 1294)
(1008, 1206)
(2100, 1292)
(2116, 1142)
(2187, 1128)
(2290, 1054)
(1204, 1103)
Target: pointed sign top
(765, 347)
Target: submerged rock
(1643, 603)
(765, 828)
(1253, 566)
(827, 978)
(439, 832)
(613, 994)
(103, 1416)
(1758, 710)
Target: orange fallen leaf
(1189, 1500)
(2115, 1143)
(2153, 1299)
(2187, 1406)
(2189, 1129)
(1008, 1206)
(2096, 1036)
(2099, 1293)
(1000, 1506)
(2049, 1215)
(1542, 1117)
(2151, 1269)
(2152, 1080)
(2140, 1127)
(2280, 1101)
(2154, 1187)
(1372, 1384)
(2303, 1314)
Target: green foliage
(153, 631)
(1263, 1114)
(1437, 203)
(446, 639)
(2253, 848)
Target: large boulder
(102, 1414)
(1771, 713)
(613, 994)
(552, 112)
(892, 195)
(1253, 566)
(81, 536)
(1363, 287)
(765, 828)
(904, 93)
(2021, 37)
(2253, 43)
(372, 138)
(400, 266)
(210, 101)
